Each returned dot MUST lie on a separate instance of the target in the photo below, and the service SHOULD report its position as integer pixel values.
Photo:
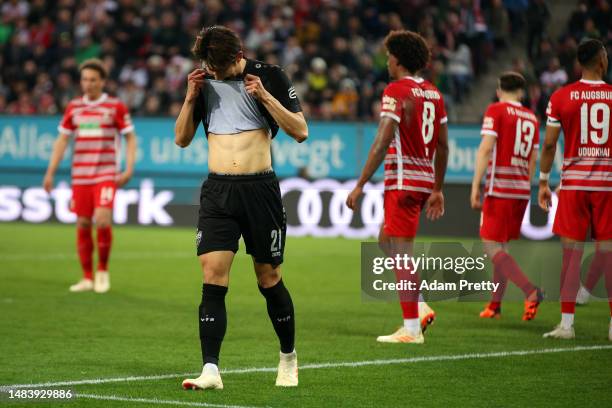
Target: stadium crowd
(551, 62)
(332, 49)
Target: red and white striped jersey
(517, 134)
(582, 109)
(408, 163)
(96, 127)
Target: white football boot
(610, 332)
(101, 282)
(83, 285)
(402, 335)
(210, 379)
(561, 332)
(426, 315)
(287, 370)
(583, 296)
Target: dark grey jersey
(225, 107)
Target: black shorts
(247, 205)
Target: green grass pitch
(147, 326)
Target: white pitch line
(69, 256)
(339, 364)
(158, 401)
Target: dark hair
(588, 51)
(511, 81)
(96, 65)
(217, 46)
(409, 48)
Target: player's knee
(83, 222)
(267, 275)
(103, 219)
(214, 271)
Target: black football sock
(280, 310)
(213, 321)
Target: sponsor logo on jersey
(389, 103)
(292, 93)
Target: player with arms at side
(508, 153)
(241, 103)
(411, 131)
(95, 121)
(582, 110)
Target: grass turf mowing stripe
(339, 364)
(158, 401)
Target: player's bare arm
(377, 153)
(184, 128)
(294, 124)
(549, 148)
(434, 207)
(485, 150)
(130, 147)
(59, 148)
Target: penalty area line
(338, 364)
(159, 401)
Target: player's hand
(351, 200)
(434, 207)
(254, 87)
(545, 197)
(195, 81)
(48, 183)
(475, 201)
(123, 178)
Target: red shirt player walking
(508, 152)
(582, 110)
(411, 132)
(96, 121)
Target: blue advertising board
(334, 150)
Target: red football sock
(509, 268)
(497, 296)
(409, 298)
(105, 238)
(595, 271)
(570, 278)
(85, 250)
(607, 267)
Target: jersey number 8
(429, 116)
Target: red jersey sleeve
(491, 121)
(67, 126)
(552, 110)
(392, 104)
(536, 138)
(123, 119)
(442, 109)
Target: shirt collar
(418, 80)
(590, 82)
(101, 99)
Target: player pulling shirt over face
(242, 104)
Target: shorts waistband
(248, 177)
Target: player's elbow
(181, 141)
(300, 135)
(549, 146)
(181, 138)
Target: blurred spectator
(332, 50)
(538, 16)
(554, 77)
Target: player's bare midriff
(242, 153)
